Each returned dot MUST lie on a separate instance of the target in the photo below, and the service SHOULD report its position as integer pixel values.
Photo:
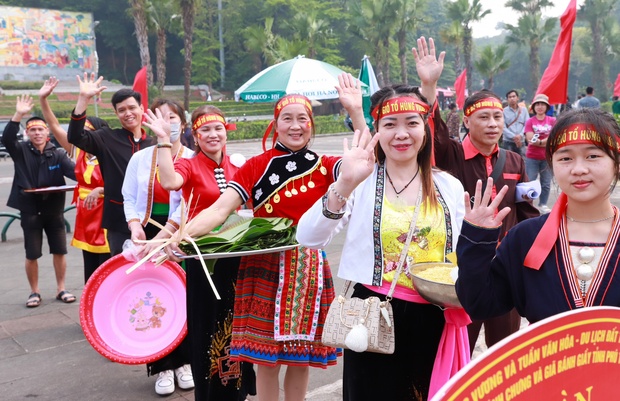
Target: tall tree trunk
(599, 63)
(467, 55)
(402, 55)
(534, 65)
(457, 60)
(386, 53)
(161, 59)
(490, 83)
(188, 8)
(138, 9)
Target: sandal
(34, 300)
(65, 296)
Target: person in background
(515, 117)
(145, 198)
(38, 164)
(283, 181)
(537, 129)
(615, 108)
(202, 179)
(477, 158)
(113, 149)
(563, 260)
(453, 121)
(589, 100)
(379, 201)
(88, 194)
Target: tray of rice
(435, 283)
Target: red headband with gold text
(486, 103)
(398, 105)
(281, 104)
(583, 133)
(212, 118)
(36, 123)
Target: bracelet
(164, 145)
(328, 213)
(341, 198)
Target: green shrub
(17, 85)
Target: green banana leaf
(245, 234)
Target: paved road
(43, 352)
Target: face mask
(175, 131)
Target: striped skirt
(294, 312)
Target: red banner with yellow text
(573, 356)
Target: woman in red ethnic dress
(281, 299)
(209, 321)
(87, 234)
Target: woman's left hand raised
(358, 162)
(482, 213)
(159, 124)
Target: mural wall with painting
(45, 40)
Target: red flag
(617, 86)
(140, 86)
(459, 87)
(554, 82)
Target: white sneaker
(185, 379)
(164, 385)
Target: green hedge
(15, 85)
(256, 129)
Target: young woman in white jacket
(377, 194)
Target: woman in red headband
(284, 181)
(560, 261)
(144, 199)
(382, 203)
(202, 179)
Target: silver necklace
(589, 221)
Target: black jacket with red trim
(113, 148)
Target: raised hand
(358, 162)
(428, 65)
(349, 92)
(159, 124)
(48, 87)
(23, 105)
(89, 86)
(482, 213)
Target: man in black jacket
(39, 164)
(113, 148)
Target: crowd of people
(412, 172)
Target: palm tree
(596, 13)
(492, 62)
(533, 32)
(261, 42)
(188, 9)
(453, 35)
(372, 20)
(406, 21)
(138, 11)
(161, 14)
(530, 31)
(466, 14)
(311, 29)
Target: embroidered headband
(398, 105)
(36, 123)
(212, 118)
(281, 104)
(584, 133)
(486, 103)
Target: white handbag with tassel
(366, 325)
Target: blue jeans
(534, 167)
(510, 145)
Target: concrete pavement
(43, 352)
